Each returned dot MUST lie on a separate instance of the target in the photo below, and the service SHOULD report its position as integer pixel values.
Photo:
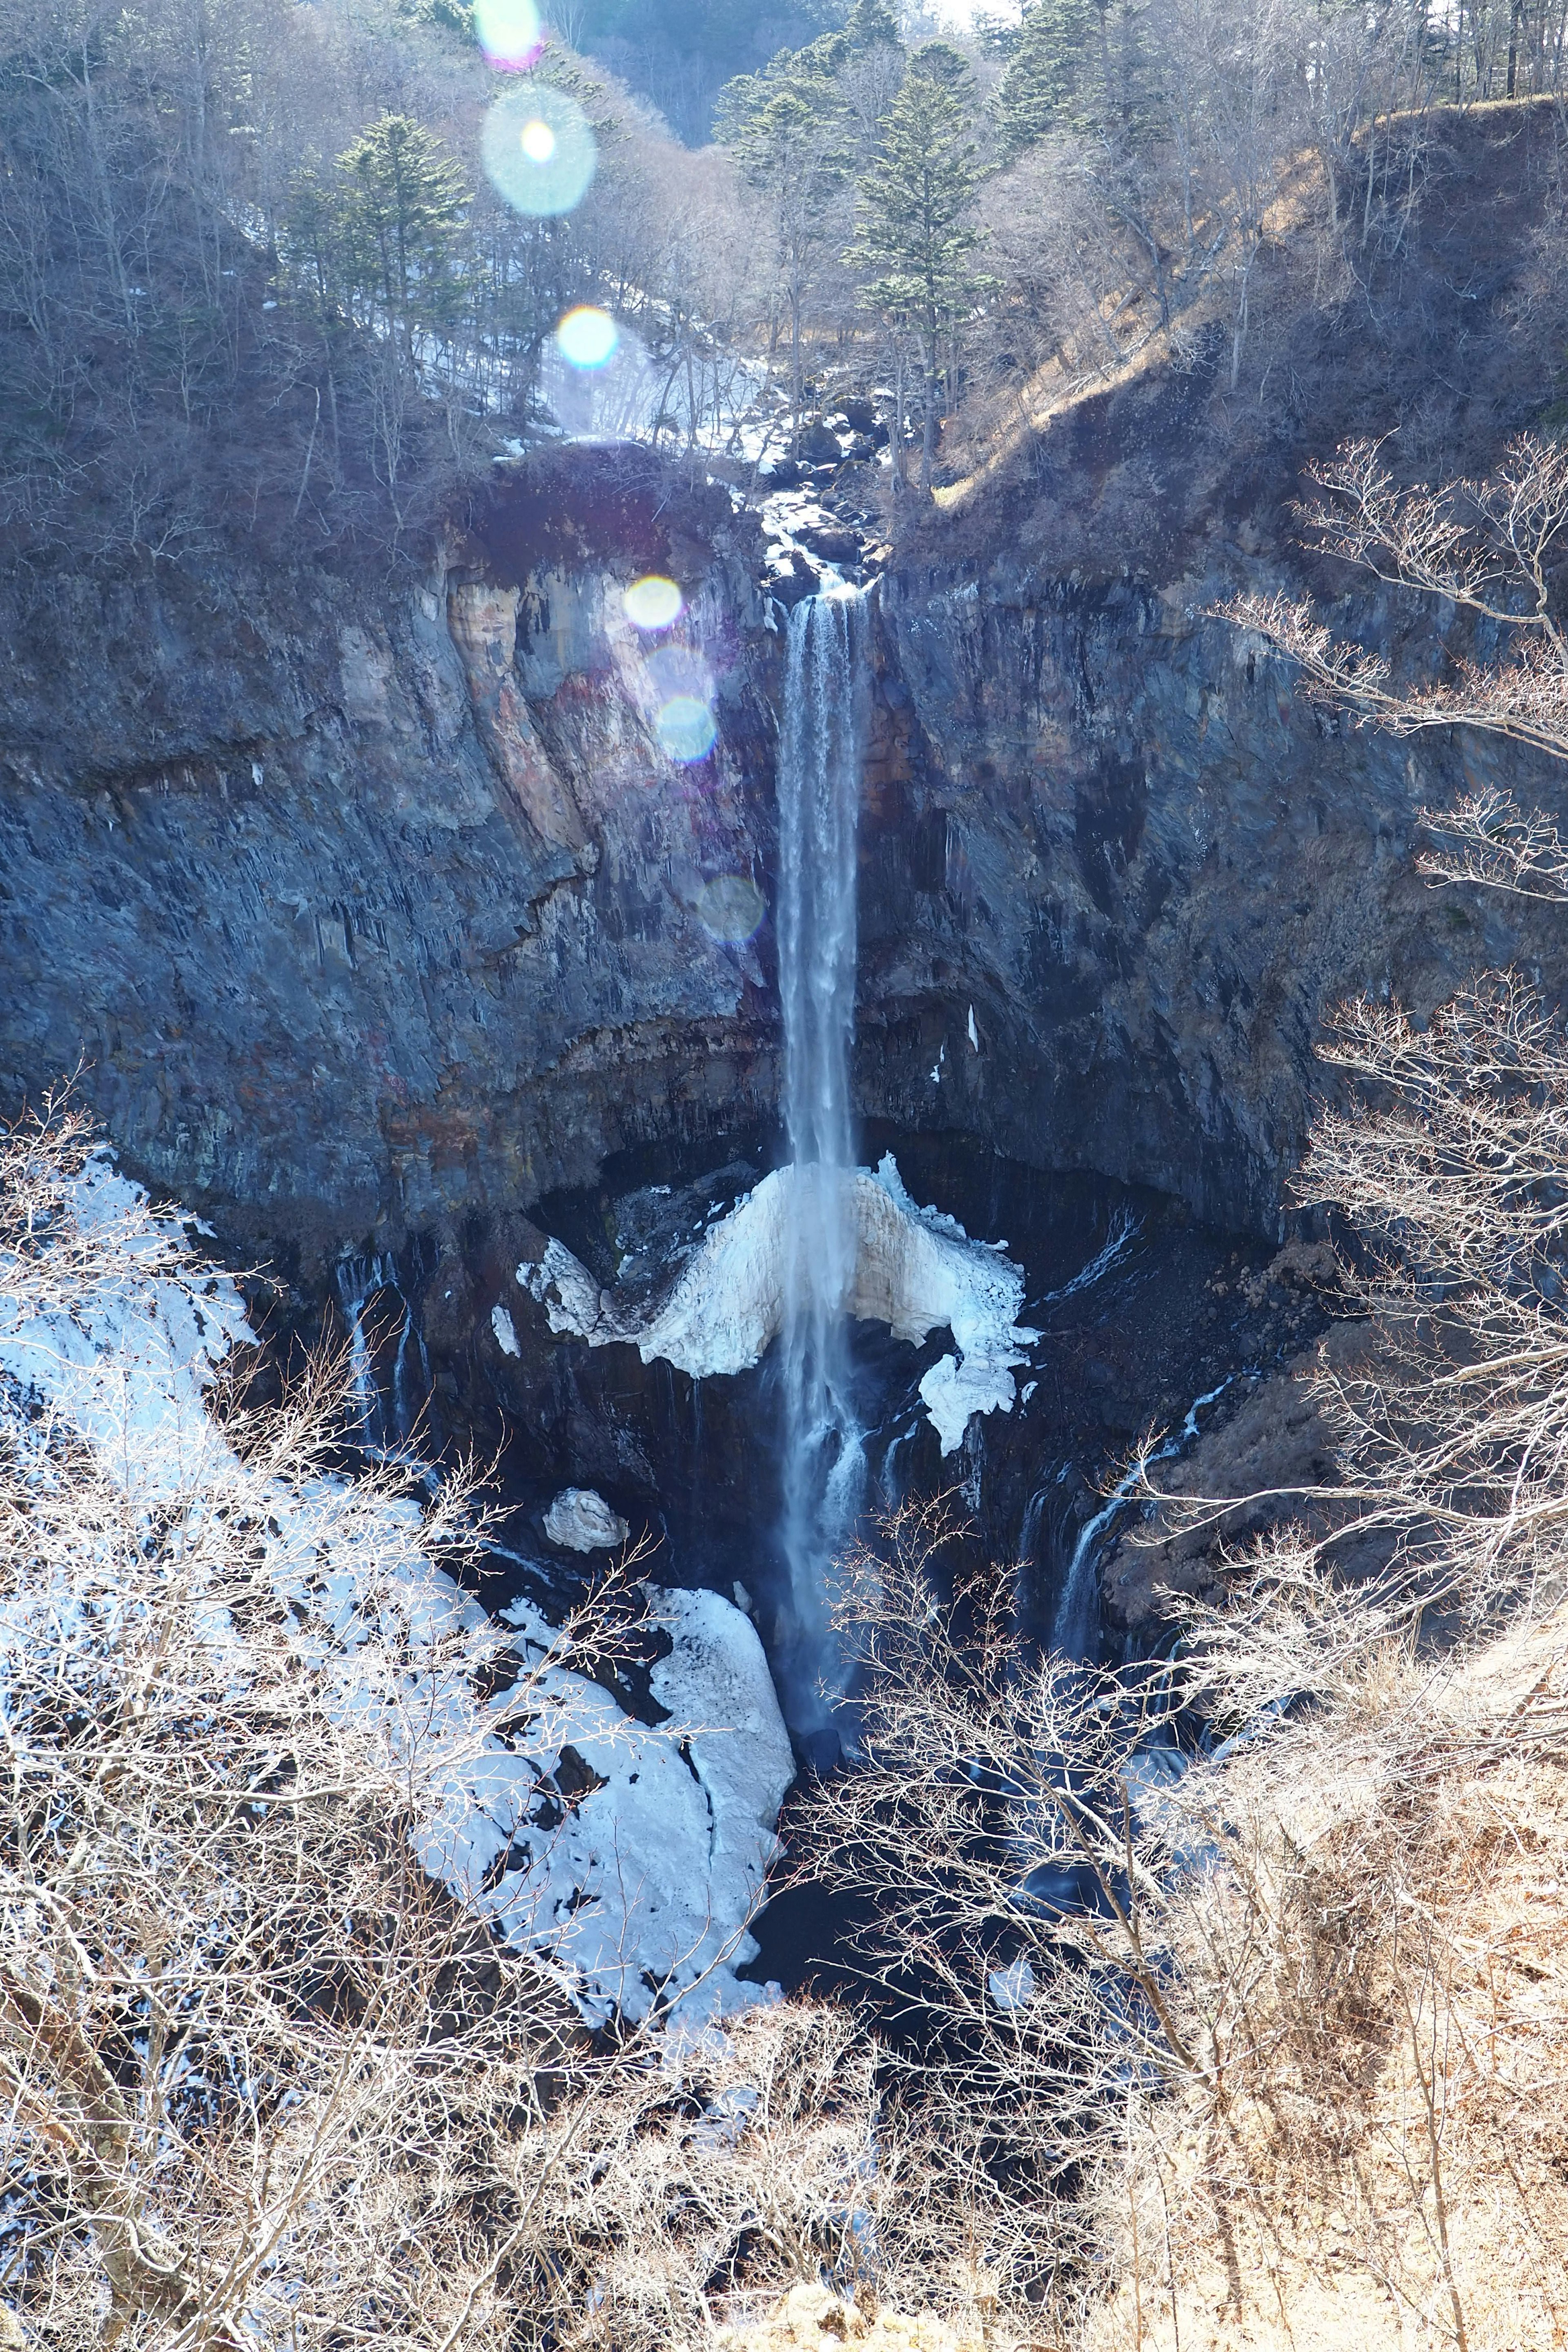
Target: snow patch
(505, 1330)
(629, 1856)
(1012, 1988)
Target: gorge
(896, 1096)
(784, 1225)
(381, 927)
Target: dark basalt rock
(816, 443)
(370, 911)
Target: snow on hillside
(629, 1856)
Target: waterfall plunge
(819, 802)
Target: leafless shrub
(1004, 1891)
(1488, 546)
(263, 2078)
(1164, 2027)
(1373, 2137)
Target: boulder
(579, 1519)
(815, 445)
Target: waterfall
(819, 798)
(388, 1380)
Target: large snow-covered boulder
(579, 1519)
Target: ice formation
(579, 1519)
(915, 1270)
(636, 1880)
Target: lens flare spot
(730, 906)
(539, 150)
(509, 33)
(587, 336)
(677, 670)
(614, 400)
(686, 728)
(653, 602)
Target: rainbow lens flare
(686, 728)
(510, 34)
(539, 150)
(653, 602)
(587, 336)
(730, 906)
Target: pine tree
(786, 129)
(871, 23)
(915, 240)
(406, 211)
(1051, 70)
(1079, 65)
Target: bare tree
(263, 2077)
(1489, 548)
(1006, 1905)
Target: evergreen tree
(1079, 65)
(915, 238)
(787, 128)
(1051, 72)
(406, 213)
(871, 23)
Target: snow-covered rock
(914, 1270)
(579, 1519)
(629, 1855)
(638, 1874)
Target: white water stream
(820, 759)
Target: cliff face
(365, 911)
(370, 911)
(1103, 822)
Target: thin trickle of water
(1075, 1629)
(384, 1412)
(820, 758)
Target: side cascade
(820, 760)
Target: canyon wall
(367, 908)
(1118, 872)
(364, 907)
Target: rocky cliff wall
(369, 908)
(362, 908)
(1103, 828)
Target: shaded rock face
(374, 914)
(367, 911)
(1116, 873)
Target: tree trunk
(900, 480)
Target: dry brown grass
(1379, 2156)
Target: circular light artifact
(730, 906)
(686, 728)
(677, 670)
(539, 150)
(652, 602)
(509, 33)
(611, 396)
(587, 336)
